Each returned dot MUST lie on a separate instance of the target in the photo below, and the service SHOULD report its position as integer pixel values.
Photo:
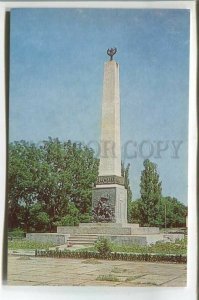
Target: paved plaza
(34, 271)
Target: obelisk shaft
(109, 187)
(110, 155)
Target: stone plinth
(141, 240)
(117, 200)
(107, 229)
(93, 230)
(145, 230)
(116, 225)
(54, 238)
(87, 234)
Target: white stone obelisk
(110, 154)
(110, 183)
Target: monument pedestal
(117, 200)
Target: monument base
(117, 199)
(87, 233)
(107, 229)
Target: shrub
(85, 218)
(113, 256)
(16, 233)
(103, 246)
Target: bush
(16, 233)
(103, 246)
(85, 218)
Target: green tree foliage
(150, 190)
(71, 218)
(44, 180)
(174, 210)
(23, 166)
(134, 212)
(125, 174)
(39, 219)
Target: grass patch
(108, 277)
(27, 245)
(177, 248)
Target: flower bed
(113, 256)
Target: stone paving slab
(101, 283)
(77, 272)
(23, 283)
(180, 281)
(154, 279)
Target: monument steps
(83, 239)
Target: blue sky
(56, 76)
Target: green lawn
(177, 248)
(24, 244)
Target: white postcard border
(190, 292)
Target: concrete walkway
(27, 270)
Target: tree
(150, 190)
(44, 180)
(39, 219)
(125, 174)
(71, 218)
(134, 212)
(173, 212)
(23, 165)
